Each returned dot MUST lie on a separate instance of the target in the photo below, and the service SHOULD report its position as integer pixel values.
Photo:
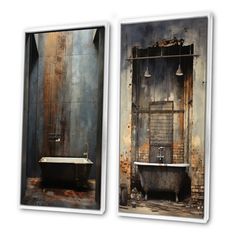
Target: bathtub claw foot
(176, 197)
(146, 197)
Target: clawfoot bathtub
(161, 177)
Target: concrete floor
(164, 208)
(37, 195)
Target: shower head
(147, 74)
(179, 71)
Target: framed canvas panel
(64, 142)
(165, 117)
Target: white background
(19, 15)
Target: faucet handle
(161, 149)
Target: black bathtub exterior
(65, 171)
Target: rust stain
(196, 141)
(125, 167)
(144, 148)
(54, 47)
(144, 152)
(70, 193)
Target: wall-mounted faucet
(54, 137)
(57, 140)
(161, 156)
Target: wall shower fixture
(146, 73)
(179, 71)
(163, 49)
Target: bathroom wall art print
(64, 119)
(165, 99)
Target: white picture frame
(159, 30)
(102, 108)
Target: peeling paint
(186, 92)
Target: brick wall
(143, 152)
(197, 176)
(125, 171)
(178, 152)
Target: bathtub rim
(65, 160)
(161, 164)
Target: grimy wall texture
(187, 95)
(63, 96)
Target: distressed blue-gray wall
(143, 35)
(65, 92)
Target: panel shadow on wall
(62, 129)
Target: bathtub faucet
(161, 156)
(86, 152)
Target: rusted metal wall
(65, 91)
(188, 95)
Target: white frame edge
(102, 209)
(208, 106)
